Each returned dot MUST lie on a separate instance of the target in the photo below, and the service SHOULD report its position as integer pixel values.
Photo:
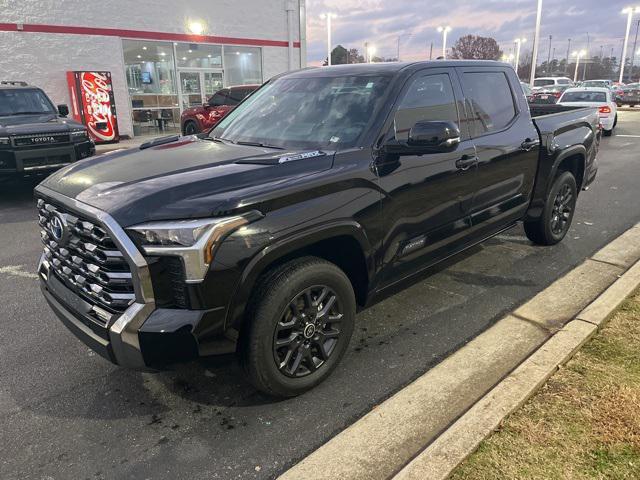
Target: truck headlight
(79, 135)
(4, 140)
(195, 241)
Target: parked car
(36, 136)
(629, 95)
(324, 189)
(201, 119)
(527, 91)
(548, 82)
(547, 95)
(600, 98)
(597, 84)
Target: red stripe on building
(116, 32)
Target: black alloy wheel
(560, 205)
(562, 211)
(308, 331)
(300, 320)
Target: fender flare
(285, 246)
(575, 150)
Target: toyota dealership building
(162, 56)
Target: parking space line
(16, 271)
(628, 136)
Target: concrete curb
(451, 448)
(478, 381)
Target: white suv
(546, 82)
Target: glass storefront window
(198, 55)
(242, 65)
(152, 86)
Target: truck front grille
(85, 258)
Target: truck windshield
(585, 97)
(310, 112)
(23, 102)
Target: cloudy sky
(382, 22)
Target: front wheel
(557, 214)
(190, 128)
(301, 320)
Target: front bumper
(34, 160)
(144, 336)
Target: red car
(201, 119)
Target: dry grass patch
(583, 424)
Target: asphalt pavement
(67, 413)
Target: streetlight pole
(568, 51)
(536, 41)
(635, 52)
(519, 42)
(549, 56)
(371, 51)
(629, 11)
(444, 31)
(328, 17)
(579, 54)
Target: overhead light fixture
(184, 58)
(144, 48)
(162, 54)
(190, 51)
(196, 27)
(139, 56)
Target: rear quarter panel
(568, 133)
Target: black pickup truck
(320, 191)
(35, 136)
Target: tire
(608, 133)
(546, 230)
(189, 128)
(281, 310)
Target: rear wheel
(302, 317)
(557, 214)
(190, 128)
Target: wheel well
(345, 252)
(575, 165)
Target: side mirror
(434, 136)
(63, 110)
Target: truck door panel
(506, 144)
(428, 196)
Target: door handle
(466, 162)
(529, 145)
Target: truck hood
(188, 178)
(34, 124)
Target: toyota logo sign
(58, 226)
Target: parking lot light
(629, 11)
(444, 31)
(371, 51)
(578, 56)
(328, 17)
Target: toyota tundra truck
(35, 136)
(318, 193)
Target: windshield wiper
(258, 144)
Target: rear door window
(543, 82)
(491, 101)
(428, 98)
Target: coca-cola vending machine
(93, 104)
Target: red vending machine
(93, 104)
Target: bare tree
(472, 47)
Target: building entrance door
(196, 86)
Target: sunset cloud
(413, 23)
